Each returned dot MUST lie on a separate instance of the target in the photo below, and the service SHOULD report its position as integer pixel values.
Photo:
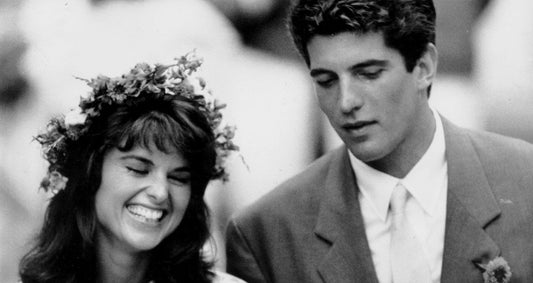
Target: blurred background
(484, 82)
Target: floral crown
(179, 78)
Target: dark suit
(310, 229)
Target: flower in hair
(179, 78)
(496, 271)
(75, 117)
(54, 182)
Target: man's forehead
(347, 49)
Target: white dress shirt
(427, 182)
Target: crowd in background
(484, 81)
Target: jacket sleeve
(241, 261)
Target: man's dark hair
(407, 25)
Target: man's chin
(366, 152)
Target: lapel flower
(496, 271)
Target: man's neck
(400, 162)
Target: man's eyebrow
(319, 71)
(361, 65)
(370, 63)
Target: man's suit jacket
(310, 228)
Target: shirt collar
(430, 170)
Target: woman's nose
(158, 188)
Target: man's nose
(350, 97)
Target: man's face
(376, 106)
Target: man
(410, 197)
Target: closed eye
(324, 80)
(181, 178)
(370, 74)
(323, 77)
(137, 171)
(325, 83)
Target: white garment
(427, 182)
(415, 266)
(222, 277)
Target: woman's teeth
(146, 214)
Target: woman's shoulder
(222, 277)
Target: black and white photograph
(266, 141)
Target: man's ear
(427, 67)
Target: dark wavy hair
(407, 25)
(65, 248)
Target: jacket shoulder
(297, 195)
(507, 163)
(495, 148)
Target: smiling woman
(142, 198)
(128, 172)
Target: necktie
(407, 258)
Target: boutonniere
(496, 271)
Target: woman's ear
(427, 65)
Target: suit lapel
(470, 208)
(340, 224)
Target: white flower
(57, 182)
(87, 96)
(199, 86)
(497, 271)
(75, 117)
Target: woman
(128, 170)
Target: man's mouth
(356, 126)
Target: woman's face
(142, 198)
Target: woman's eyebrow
(138, 158)
(182, 169)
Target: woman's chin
(143, 243)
